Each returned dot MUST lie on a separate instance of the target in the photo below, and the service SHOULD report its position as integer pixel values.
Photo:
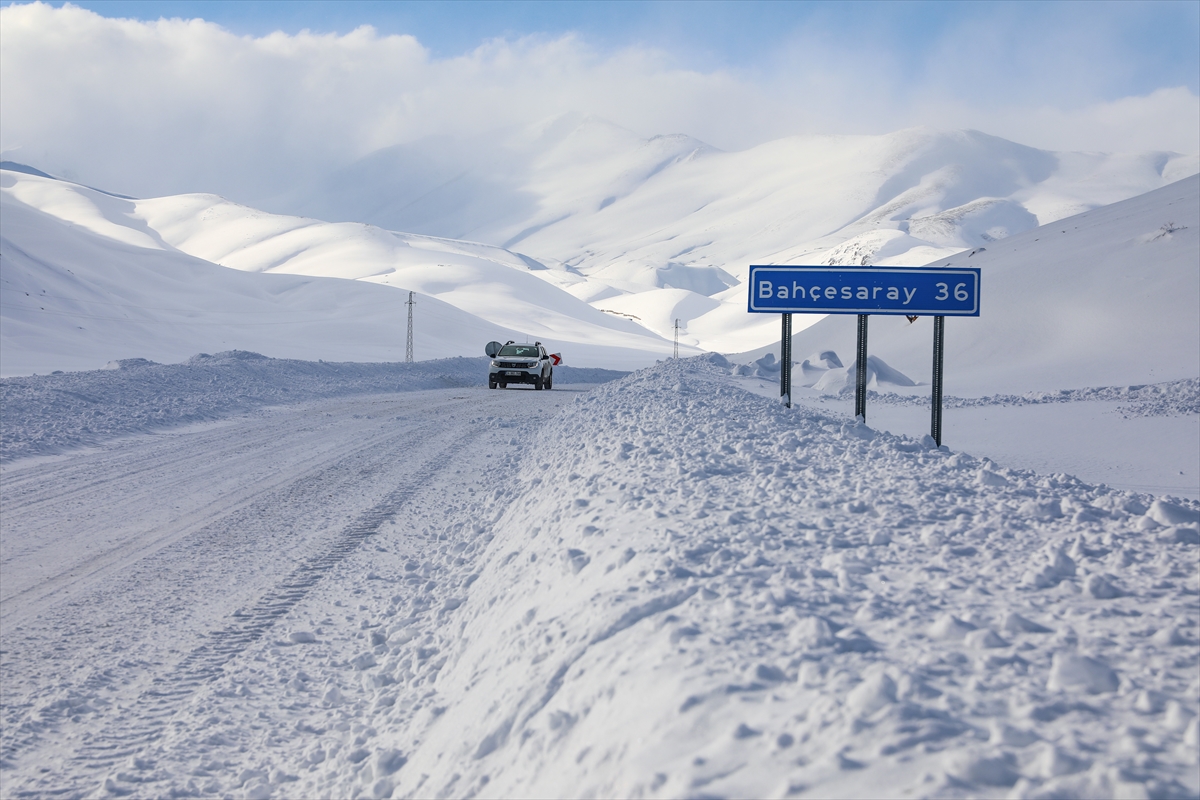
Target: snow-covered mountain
(1106, 297)
(681, 221)
(618, 238)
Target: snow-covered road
(132, 573)
(666, 586)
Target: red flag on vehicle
(555, 359)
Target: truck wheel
(491, 384)
(537, 383)
(550, 380)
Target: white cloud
(1166, 119)
(170, 106)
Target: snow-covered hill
(637, 215)
(619, 237)
(1106, 297)
(86, 279)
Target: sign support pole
(860, 376)
(939, 350)
(938, 292)
(785, 361)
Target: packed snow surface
(666, 586)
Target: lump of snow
(931, 536)
(771, 674)
(986, 477)
(716, 359)
(984, 769)
(871, 695)
(1177, 717)
(826, 359)
(1165, 513)
(811, 632)
(363, 661)
(1149, 701)
(858, 430)
(949, 626)
(1058, 565)
(1007, 735)
(1169, 637)
(1053, 761)
(767, 364)
(816, 365)
(1072, 672)
(1041, 509)
(302, 637)
(878, 372)
(852, 640)
(984, 639)
(811, 674)
(1181, 535)
(1101, 588)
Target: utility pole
(408, 354)
(676, 337)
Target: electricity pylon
(408, 355)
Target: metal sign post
(860, 371)
(939, 349)
(939, 292)
(785, 361)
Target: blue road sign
(913, 291)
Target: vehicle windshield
(519, 351)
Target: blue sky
(120, 92)
(1156, 42)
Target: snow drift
(692, 590)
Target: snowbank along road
(664, 587)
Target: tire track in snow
(142, 721)
(37, 497)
